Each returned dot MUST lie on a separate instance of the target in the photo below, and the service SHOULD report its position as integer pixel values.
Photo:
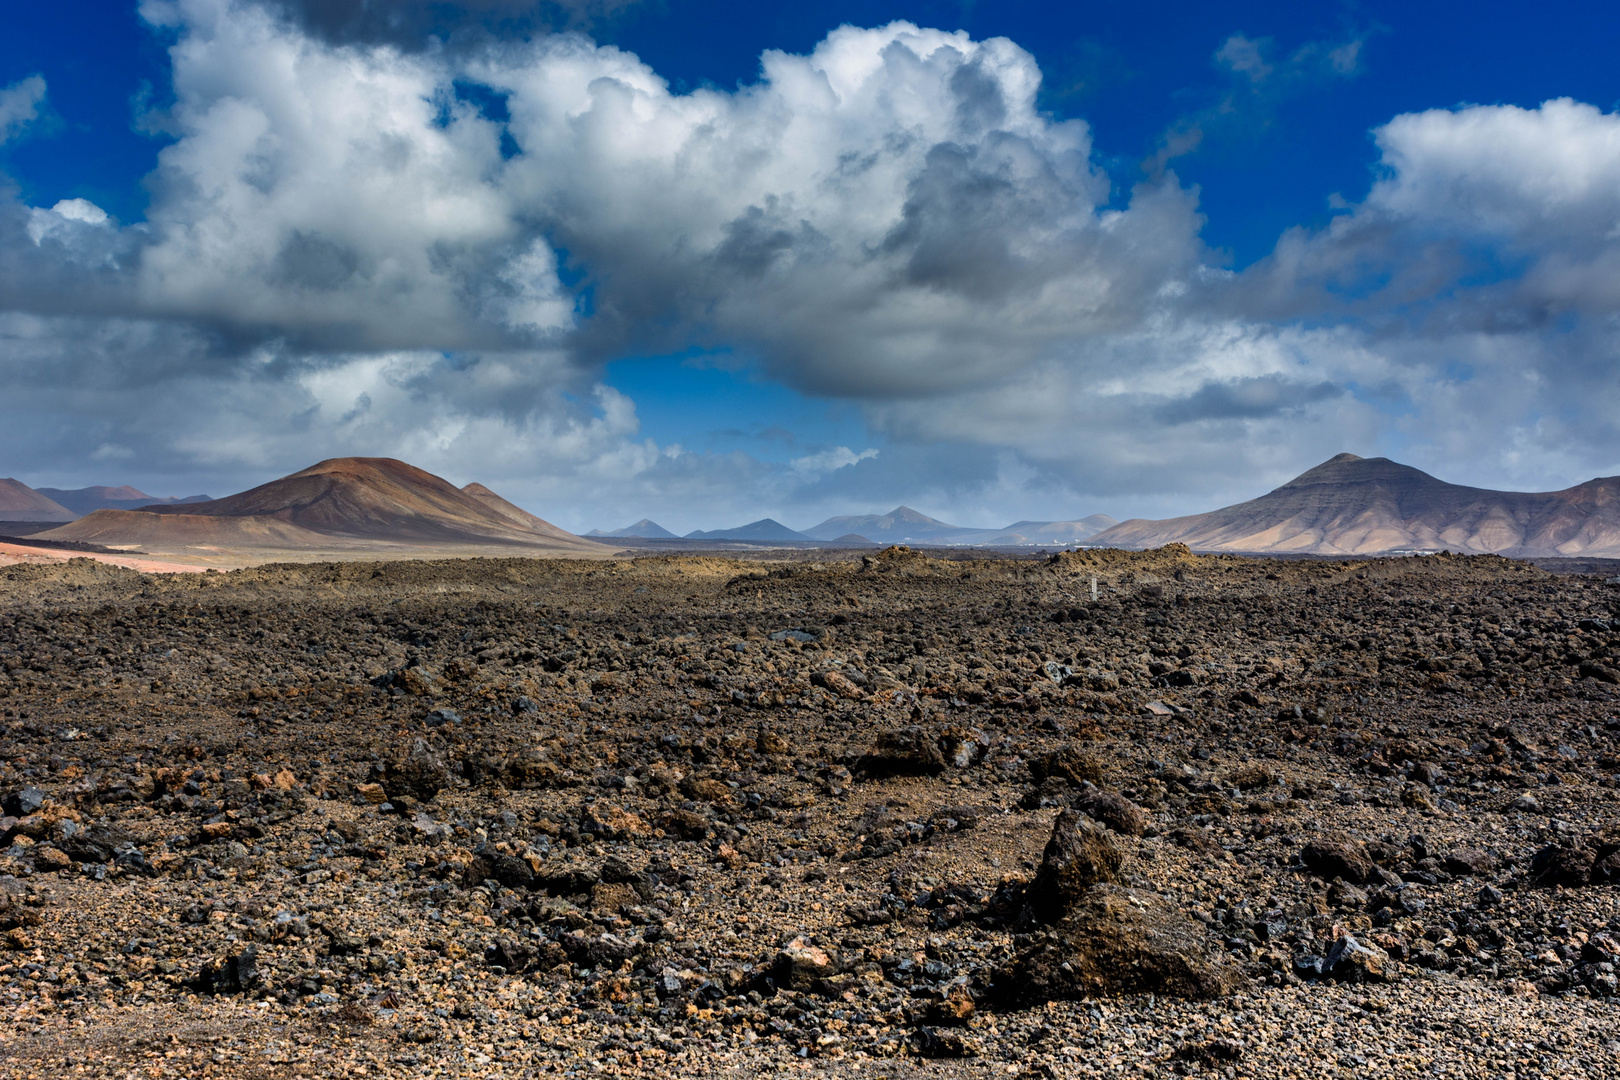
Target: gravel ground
(882, 815)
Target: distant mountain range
(1346, 506)
(1350, 505)
(902, 525)
(19, 502)
(85, 500)
(763, 529)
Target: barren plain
(1098, 814)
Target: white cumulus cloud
(358, 243)
(832, 459)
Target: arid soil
(886, 815)
(29, 555)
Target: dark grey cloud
(70, 258)
(412, 24)
(1257, 398)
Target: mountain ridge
(903, 525)
(765, 529)
(645, 529)
(103, 497)
(19, 502)
(516, 513)
(347, 501)
(1350, 505)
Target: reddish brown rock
(1329, 859)
(1069, 763)
(611, 822)
(1114, 941)
(1115, 811)
(910, 751)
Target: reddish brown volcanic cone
(1364, 506)
(343, 499)
(122, 493)
(19, 502)
(169, 532)
(517, 514)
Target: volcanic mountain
(19, 502)
(645, 529)
(1350, 505)
(124, 497)
(767, 530)
(519, 515)
(900, 525)
(342, 502)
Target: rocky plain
(884, 814)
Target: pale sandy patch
(14, 554)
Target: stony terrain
(884, 815)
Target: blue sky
(1007, 261)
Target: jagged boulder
(1069, 763)
(1115, 940)
(233, 974)
(799, 965)
(421, 774)
(1329, 859)
(1115, 811)
(1559, 864)
(906, 752)
(1079, 854)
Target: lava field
(881, 814)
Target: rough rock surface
(1337, 859)
(1080, 854)
(511, 817)
(1114, 940)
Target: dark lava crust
(873, 815)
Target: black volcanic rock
(1079, 854)
(1116, 940)
(650, 798)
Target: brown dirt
(27, 555)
